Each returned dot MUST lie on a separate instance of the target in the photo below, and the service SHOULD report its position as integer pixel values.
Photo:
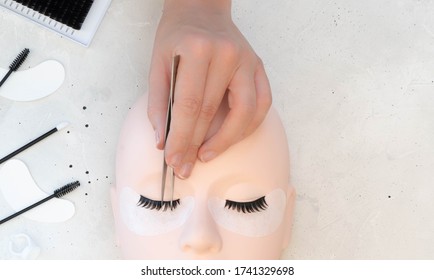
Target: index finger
(158, 97)
(189, 91)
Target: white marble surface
(353, 81)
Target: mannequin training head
(237, 206)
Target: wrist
(215, 6)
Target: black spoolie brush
(16, 64)
(57, 193)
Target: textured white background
(354, 84)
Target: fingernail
(207, 156)
(186, 170)
(175, 161)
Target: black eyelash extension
(71, 13)
(247, 207)
(157, 205)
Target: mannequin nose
(200, 234)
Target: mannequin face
(238, 206)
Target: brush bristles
(19, 60)
(66, 189)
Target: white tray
(83, 36)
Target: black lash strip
(157, 205)
(69, 12)
(247, 207)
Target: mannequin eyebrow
(157, 205)
(150, 177)
(229, 180)
(249, 206)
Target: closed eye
(157, 205)
(247, 207)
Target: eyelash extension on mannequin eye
(247, 207)
(157, 205)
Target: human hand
(216, 60)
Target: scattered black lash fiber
(57, 193)
(247, 207)
(157, 205)
(69, 12)
(16, 64)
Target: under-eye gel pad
(255, 224)
(148, 222)
(34, 83)
(20, 190)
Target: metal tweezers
(175, 63)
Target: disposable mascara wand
(16, 64)
(31, 143)
(57, 193)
